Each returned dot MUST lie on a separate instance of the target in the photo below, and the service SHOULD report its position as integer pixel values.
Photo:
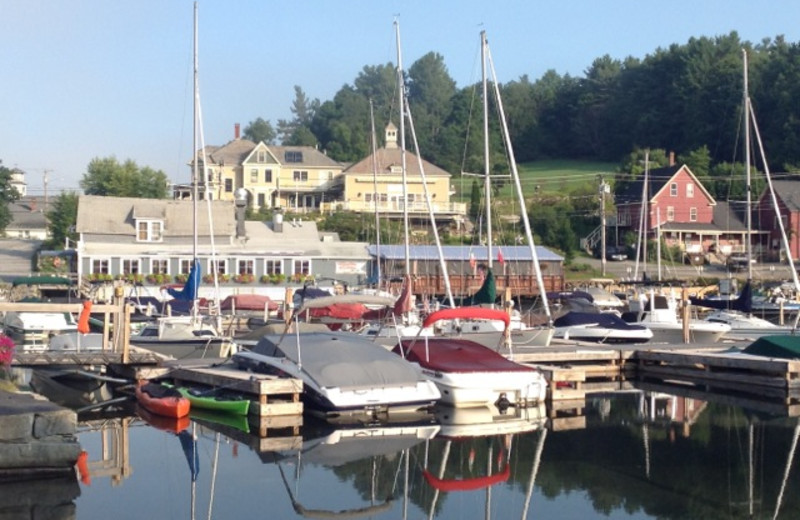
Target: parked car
(738, 262)
(616, 253)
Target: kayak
(161, 400)
(162, 422)
(208, 400)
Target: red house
(682, 212)
(787, 195)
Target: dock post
(685, 314)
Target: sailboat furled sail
(189, 291)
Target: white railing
(453, 208)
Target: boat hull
(159, 403)
(187, 349)
(481, 389)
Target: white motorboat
(184, 337)
(659, 313)
(341, 372)
(747, 326)
(32, 330)
(600, 327)
(469, 373)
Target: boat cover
(248, 302)
(744, 303)
(603, 319)
(339, 359)
(456, 355)
(783, 346)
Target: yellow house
(376, 184)
(297, 178)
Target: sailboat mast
(518, 185)
(487, 185)
(401, 103)
(746, 121)
(195, 176)
(375, 196)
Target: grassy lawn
(556, 176)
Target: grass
(556, 176)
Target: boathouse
(512, 267)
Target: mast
(375, 197)
(520, 197)
(195, 168)
(746, 122)
(401, 102)
(487, 185)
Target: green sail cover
(488, 291)
(782, 346)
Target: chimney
(236, 128)
(672, 158)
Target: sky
(83, 79)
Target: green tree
(303, 110)
(61, 220)
(260, 131)
(7, 195)
(108, 177)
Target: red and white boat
(469, 373)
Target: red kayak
(162, 400)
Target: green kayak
(207, 400)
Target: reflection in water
(632, 455)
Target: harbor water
(635, 455)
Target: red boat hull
(162, 403)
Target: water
(632, 455)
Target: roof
(631, 191)
(386, 158)
(788, 191)
(230, 154)
(117, 216)
(28, 213)
(462, 253)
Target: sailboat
(489, 334)
(196, 335)
(737, 314)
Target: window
(692, 214)
(673, 189)
(293, 156)
(246, 267)
(130, 266)
(228, 185)
(100, 266)
(262, 199)
(300, 176)
(267, 176)
(159, 266)
(302, 267)
(254, 176)
(273, 266)
(689, 190)
(670, 213)
(186, 266)
(262, 156)
(149, 230)
(221, 267)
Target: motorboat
(659, 313)
(184, 337)
(600, 327)
(469, 373)
(341, 372)
(31, 331)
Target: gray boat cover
(341, 359)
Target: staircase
(589, 243)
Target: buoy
(83, 468)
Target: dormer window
(149, 230)
(293, 156)
(673, 189)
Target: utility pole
(46, 208)
(603, 191)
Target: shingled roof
(389, 157)
(788, 191)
